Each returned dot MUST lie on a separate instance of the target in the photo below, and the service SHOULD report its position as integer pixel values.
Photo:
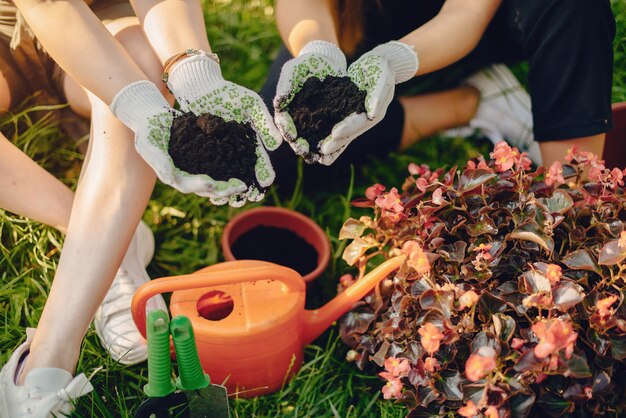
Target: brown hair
(348, 16)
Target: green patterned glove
(199, 87)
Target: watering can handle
(289, 277)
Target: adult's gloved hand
(317, 59)
(142, 107)
(376, 72)
(197, 83)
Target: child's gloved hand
(377, 72)
(142, 107)
(317, 59)
(198, 85)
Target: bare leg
(427, 114)
(555, 150)
(25, 187)
(110, 199)
(29, 190)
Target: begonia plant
(511, 298)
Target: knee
(5, 95)
(467, 103)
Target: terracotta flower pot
(279, 218)
(615, 145)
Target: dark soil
(276, 245)
(207, 144)
(320, 105)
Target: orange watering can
(249, 319)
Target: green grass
(188, 229)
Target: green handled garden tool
(206, 400)
(195, 397)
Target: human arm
(175, 28)
(302, 21)
(452, 34)
(69, 28)
(172, 26)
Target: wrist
(137, 102)
(193, 74)
(402, 58)
(326, 49)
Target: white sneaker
(504, 111)
(113, 320)
(30, 400)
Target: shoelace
(79, 386)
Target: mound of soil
(207, 144)
(320, 105)
(276, 245)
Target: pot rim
(318, 232)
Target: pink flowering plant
(510, 302)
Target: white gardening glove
(142, 107)
(198, 85)
(377, 72)
(317, 59)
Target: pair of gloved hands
(199, 87)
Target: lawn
(188, 229)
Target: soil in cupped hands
(320, 105)
(276, 245)
(207, 144)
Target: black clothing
(568, 44)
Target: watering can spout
(318, 320)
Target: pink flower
(414, 169)
(517, 343)
(346, 280)
(572, 153)
(422, 184)
(431, 337)
(523, 161)
(554, 335)
(492, 412)
(416, 258)
(481, 165)
(431, 364)
(393, 387)
(604, 305)
(554, 176)
(391, 204)
(374, 191)
(504, 156)
(469, 410)
(438, 197)
(480, 363)
(617, 178)
(468, 299)
(482, 247)
(595, 174)
(553, 273)
(397, 367)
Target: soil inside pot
(276, 245)
(207, 144)
(320, 105)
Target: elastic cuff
(402, 58)
(572, 130)
(326, 49)
(194, 74)
(137, 102)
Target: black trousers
(568, 46)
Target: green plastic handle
(190, 373)
(159, 365)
